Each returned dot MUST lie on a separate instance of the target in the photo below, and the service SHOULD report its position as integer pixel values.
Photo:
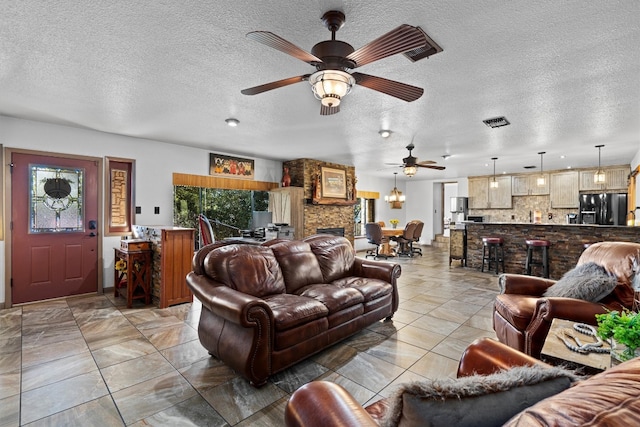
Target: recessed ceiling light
(562, 157)
(232, 122)
(385, 133)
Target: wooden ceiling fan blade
(436, 167)
(274, 85)
(278, 43)
(390, 87)
(327, 111)
(398, 40)
(427, 162)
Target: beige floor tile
(44, 353)
(60, 369)
(370, 372)
(10, 413)
(123, 351)
(193, 412)
(208, 373)
(62, 395)
(135, 371)
(434, 366)
(397, 352)
(99, 412)
(171, 336)
(419, 337)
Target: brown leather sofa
(267, 307)
(606, 399)
(522, 316)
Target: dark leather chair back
(418, 231)
(409, 229)
(373, 232)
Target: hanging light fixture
(599, 177)
(541, 181)
(494, 183)
(395, 198)
(410, 170)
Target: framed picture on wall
(119, 196)
(334, 183)
(231, 167)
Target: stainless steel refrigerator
(603, 208)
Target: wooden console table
(136, 277)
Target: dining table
(387, 233)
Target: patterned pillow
(589, 282)
(478, 400)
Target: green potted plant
(623, 328)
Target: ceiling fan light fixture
(410, 170)
(329, 86)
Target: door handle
(92, 234)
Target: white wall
(155, 164)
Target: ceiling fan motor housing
(333, 54)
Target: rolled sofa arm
(486, 356)
(326, 404)
(381, 270)
(223, 301)
(523, 285)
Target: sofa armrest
(486, 356)
(225, 302)
(372, 269)
(523, 285)
(548, 309)
(322, 403)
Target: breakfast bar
(567, 242)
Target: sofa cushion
(335, 255)
(371, 289)
(251, 269)
(298, 263)
(293, 310)
(333, 297)
(607, 399)
(589, 282)
(476, 400)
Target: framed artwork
(334, 183)
(231, 167)
(119, 196)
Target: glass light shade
(395, 199)
(599, 177)
(493, 184)
(410, 170)
(329, 86)
(541, 181)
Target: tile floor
(90, 361)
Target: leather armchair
(522, 316)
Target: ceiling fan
(410, 164)
(333, 58)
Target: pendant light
(494, 183)
(395, 198)
(599, 177)
(541, 181)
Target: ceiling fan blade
(399, 40)
(274, 85)
(327, 111)
(427, 162)
(278, 43)
(440, 168)
(390, 87)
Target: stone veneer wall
(303, 173)
(521, 206)
(566, 243)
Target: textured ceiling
(566, 74)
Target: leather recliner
(522, 316)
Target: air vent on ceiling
(529, 167)
(431, 48)
(496, 122)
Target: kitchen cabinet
(563, 189)
(479, 193)
(616, 178)
(481, 196)
(527, 185)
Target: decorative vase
(394, 225)
(621, 353)
(286, 179)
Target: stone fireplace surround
(303, 172)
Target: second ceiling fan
(410, 164)
(333, 58)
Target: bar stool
(492, 251)
(533, 244)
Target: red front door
(54, 212)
